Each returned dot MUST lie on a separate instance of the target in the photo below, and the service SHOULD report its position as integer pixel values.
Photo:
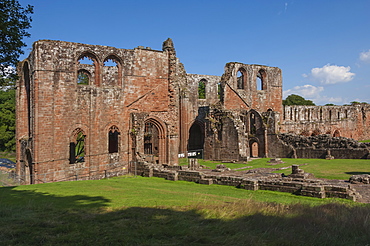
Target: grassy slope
(153, 211)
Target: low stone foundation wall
(256, 181)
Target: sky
(322, 46)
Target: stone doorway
(254, 149)
(196, 137)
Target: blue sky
(322, 46)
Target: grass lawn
(365, 141)
(154, 211)
(321, 168)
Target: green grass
(365, 141)
(321, 168)
(154, 211)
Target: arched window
(111, 71)
(202, 89)
(260, 79)
(77, 147)
(196, 137)
(27, 85)
(241, 77)
(113, 139)
(151, 139)
(83, 77)
(87, 70)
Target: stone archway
(196, 137)
(155, 148)
(254, 148)
(336, 133)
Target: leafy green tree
(14, 21)
(7, 120)
(297, 100)
(202, 89)
(329, 104)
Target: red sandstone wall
(344, 121)
(60, 105)
(249, 97)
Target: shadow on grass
(31, 218)
(357, 173)
(22, 198)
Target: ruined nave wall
(345, 121)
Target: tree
(14, 21)
(201, 90)
(7, 120)
(297, 100)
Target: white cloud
(330, 74)
(311, 92)
(324, 100)
(365, 56)
(306, 91)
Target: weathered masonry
(88, 112)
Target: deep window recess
(202, 89)
(83, 77)
(260, 80)
(113, 139)
(77, 149)
(240, 79)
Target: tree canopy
(14, 21)
(297, 100)
(7, 120)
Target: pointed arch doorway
(155, 147)
(196, 139)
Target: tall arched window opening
(241, 77)
(111, 71)
(87, 70)
(113, 139)
(27, 85)
(260, 80)
(202, 89)
(77, 147)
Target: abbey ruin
(126, 106)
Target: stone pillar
(295, 169)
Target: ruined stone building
(93, 111)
